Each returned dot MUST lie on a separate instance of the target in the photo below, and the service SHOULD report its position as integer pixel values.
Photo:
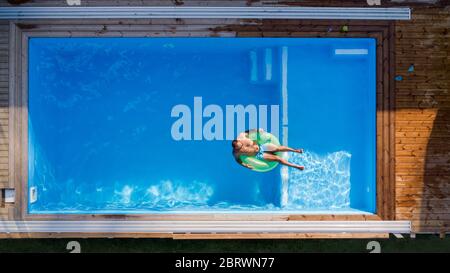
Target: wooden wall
(4, 48)
(4, 104)
(423, 120)
(4, 27)
(422, 105)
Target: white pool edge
(206, 226)
(369, 13)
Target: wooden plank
(265, 28)
(4, 211)
(428, 202)
(417, 179)
(3, 216)
(300, 23)
(185, 236)
(424, 216)
(4, 159)
(431, 225)
(422, 210)
(424, 191)
(14, 141)
(418, 165)
(391, 160)
(423, 161)
(83, 235)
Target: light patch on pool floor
(125, 194)
(172, 194)
(324, 184)
(361, 51)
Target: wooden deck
(423, 120)
(421, 182)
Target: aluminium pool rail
(396, 227)
(11, 13)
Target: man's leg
(271, 157)
(269, 147)
(288, 149)
(273, 148)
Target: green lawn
(423, 243)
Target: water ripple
(324, 184)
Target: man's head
(237, 145)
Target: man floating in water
(243, 145)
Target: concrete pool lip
(396, 227)
(206, 12)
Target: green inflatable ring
(258, 164)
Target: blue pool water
(101, 124)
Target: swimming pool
(144, 125)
